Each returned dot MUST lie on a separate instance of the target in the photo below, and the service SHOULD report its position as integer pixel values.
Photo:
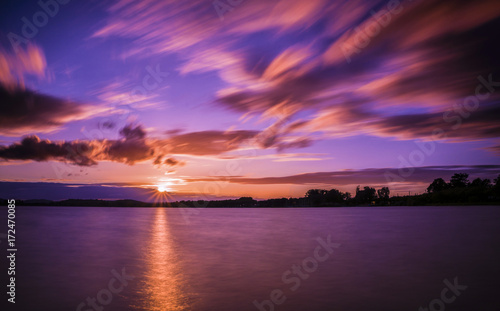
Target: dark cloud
(134, 146)
(32, 148)
(131, 132)
(303, 142)
(278, 136)
(168, 162)
(127, 151)
(173, 162)
(24, 111)
(482, 123)
(107, 125)
(456, 124)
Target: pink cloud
(14, 67)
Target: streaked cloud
(14, 67)
(422, 75)
(376, 176)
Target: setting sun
(162, 188)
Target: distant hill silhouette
(459, 190)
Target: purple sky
(237, 98)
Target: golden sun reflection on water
(163, 277)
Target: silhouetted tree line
(334, 197)
(459, 190)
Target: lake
(361, 258)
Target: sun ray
(159, 193)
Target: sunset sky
(230, 98)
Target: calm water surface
(389, 258)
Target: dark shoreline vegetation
(458, 191)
